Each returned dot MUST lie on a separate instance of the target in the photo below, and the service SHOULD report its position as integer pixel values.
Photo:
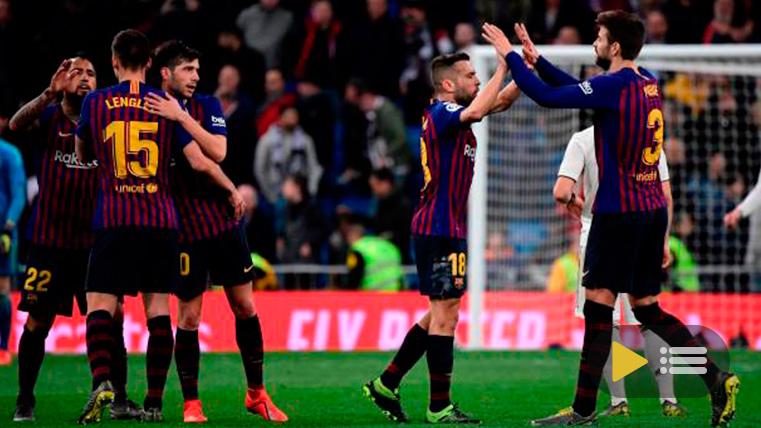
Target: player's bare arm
(506, 97)
(214, 146)
(483, 102)
(200, 163)
(564, 195)
(30, 112)
(667, 259)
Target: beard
(463, 98)
(603, 63)
(75, 99)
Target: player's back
(133, 148)
(628, 143)
(448, 153)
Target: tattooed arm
(30, 112)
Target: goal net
(712, 110)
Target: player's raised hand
(530, 53)
(165, 106)
(238, 204)
(61, 77)
(732, 219)
(495, 36)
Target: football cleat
(99, 398)
(23, 413)
(673, 410)
(565, 417)
(125, 410)
(192, 412)
(154, 414)
(620, 409)
(259, 403)
(723, 395)
(389, 402)
(450, 415)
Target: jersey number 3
(651, 155)
(127, 140)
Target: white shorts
(622, 300)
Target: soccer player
(213, 243)
(625, 248)
(135, 248)
(448, 154)
(580, 159)
(60, 233)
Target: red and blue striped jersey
(133, 148)
(202, 205)
(629, 125)
(63, 211)
(448, 154)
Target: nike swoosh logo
(65, 134)
(248, 269)
(584, 274)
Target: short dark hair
(172, 53)
(383, 174)
(443, 63)
(132, 49)
(83, 55)
(626, 29)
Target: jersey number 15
(127, 140)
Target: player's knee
(243, 309)
(445, 323)
(36, 325)
(189, 317)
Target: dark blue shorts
(54, 278)
(222, 260)
(441, 266)
(625, 252)
(127, 261)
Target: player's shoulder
(438, 107)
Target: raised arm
(31, 111)
(213, 145)
(506, 98)
(547, 71)
(484, 102)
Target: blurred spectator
(300, 230)
(386, 144)
(318, 118)
(683, 274)
(465, 36)
(286, 150)
(275, 98)
(260, 230)
(374, 263)
(656, 27)
(377, 49)
(568, 35)
(564, 272)
(684, 17)
(264, 27)
(549, 16)
(319, 46)
(239, 116)
(180, 19)
(721, 29)
(393, 213)
(357, 168)
(230, 49)
(419, 50)
(9, 48)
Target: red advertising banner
(352, 321)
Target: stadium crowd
(322, 101)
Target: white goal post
(510, 200)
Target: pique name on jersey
(71, 161)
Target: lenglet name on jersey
(120, 102)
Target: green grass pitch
(323, 390)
